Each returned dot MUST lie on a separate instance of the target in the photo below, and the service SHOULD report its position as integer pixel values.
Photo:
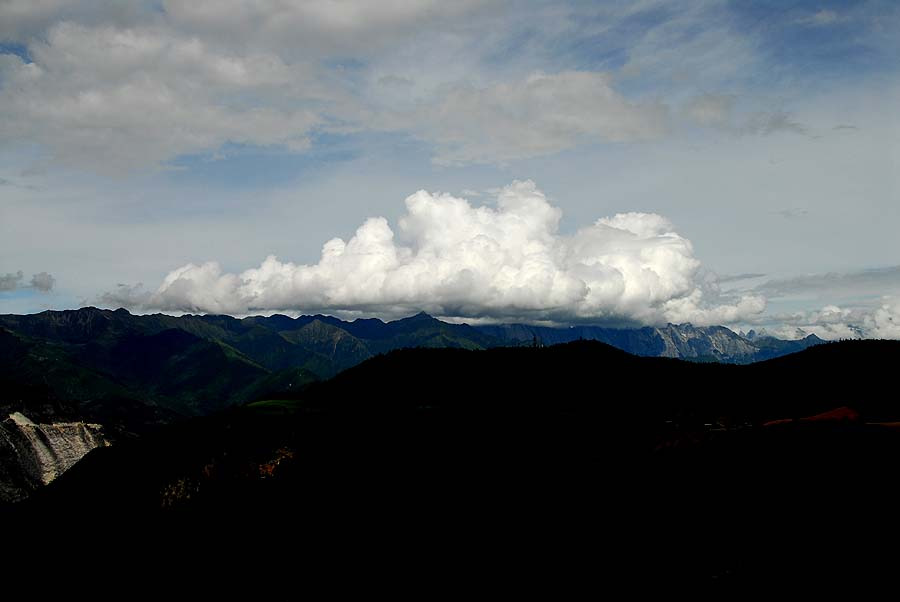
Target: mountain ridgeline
(130, 372)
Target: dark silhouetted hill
(675, 466)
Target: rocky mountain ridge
(33, 455)
(684, 341)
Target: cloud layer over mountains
(453, 259)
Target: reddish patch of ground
(835, 415)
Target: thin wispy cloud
(793, 213)
(739, 277)
(833, 285)
(820, 18)
(766, 123)
(540, 115)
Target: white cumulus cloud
(454, 259)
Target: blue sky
(137, 139)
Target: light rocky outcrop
(689, 342)
(32, 455)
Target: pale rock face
(685, 341)
(32, 455)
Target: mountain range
(128, 374)
(659, 469)
(130, 371)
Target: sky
(615, 163)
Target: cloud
(772, 122)
(718, 111)
(323, 28)
(861, 304)
(820, 18)
(697, 43)
(538, 115)
(126, 295)
(111, 98)
(140, 91)
(24, 20)
(873, 282)
(13, 184)
(792, 213)
(10, 281)
(453, 259)
(711, 110)
(740, 277)
(834, 322)
(41, 282)
(395, 80)
(110, 86)
(884, 322)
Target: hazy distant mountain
(711, 343)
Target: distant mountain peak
(421, 316)
(367, 321)
(317, 325)
(81, 311)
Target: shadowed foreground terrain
(647, 467)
